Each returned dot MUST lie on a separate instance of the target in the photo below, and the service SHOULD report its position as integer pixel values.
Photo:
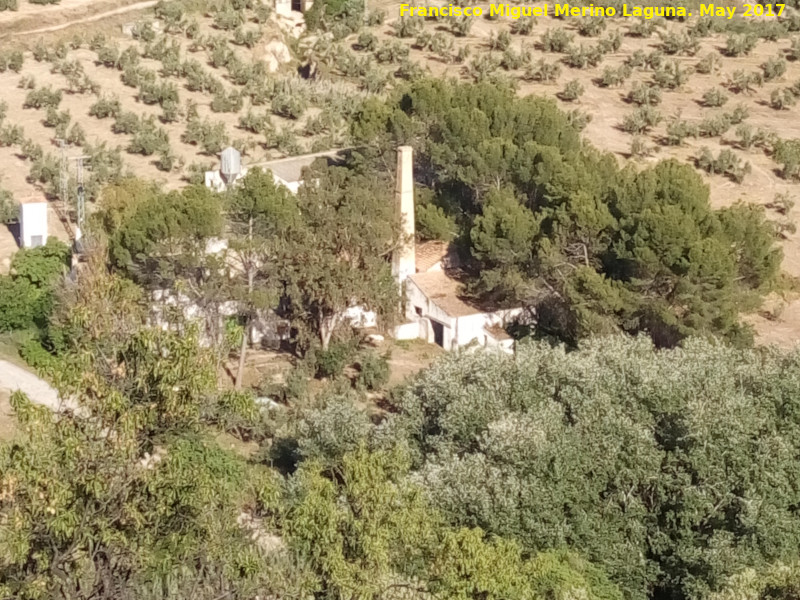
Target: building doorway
(438, 333)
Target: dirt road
(66, 14)
(13, 378)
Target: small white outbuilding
(33, 223)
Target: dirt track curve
(73, 6)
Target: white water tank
(231, 163)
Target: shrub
(166, 159)
(411, 71)
(108, 56)
(288, 105)
(331, 362)
(643, 94)
(262, 13)
(500, 41)
(373, 371)
(613, 77)
(246, 36)
(782, 203)
(740, 44)
(641, 120)
(9, 210)
(391, 52)
(787, 154)
(782, 99)
(125, 122)
(76, 135)
(641, 148)
(523, 26)
(11, 60)
(54, 118)
(543, 71)
(228, 19)
(227, 103)
(408, 27)
(773, 68)
(211, 137)
(655, 59)
(367, 41)
(376, 17)
(727, 164)
(671, 75)
(610, 43)
(255, 122)
(715, 97)
(710, 63)
(170, 112)
(743, 82)
(591, 26)
(641, 29)
(636, 60)
(556, 40)
(129, 58)
(581, 57)
(511, 60)
(678, 130)
(460, 26)
(483, 67)
(169, 12)
(740, 113)
(136, 77)
(11, 135)
(714, 126)
(296, 384)
(158, 93)
(793, 53)
(572, 91)
(44, 97)
(375, 80)
(679, 43)
(31, 150)
(148, 139)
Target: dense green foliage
(130, 497)
(342, 17)
(312, 255)
(673, 470)
(26, 295)
(548, 221)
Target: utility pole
(63, 182)
(63, 187)
(81, 198)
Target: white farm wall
(470, 329)
(33, 224)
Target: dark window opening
(418, 310)
(438, 333)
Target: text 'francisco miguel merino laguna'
(567, 10)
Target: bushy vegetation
(584, 269)
(613, 451)
(26, 294)
(661, 466)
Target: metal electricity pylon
(63, 187)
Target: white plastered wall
(33, 224)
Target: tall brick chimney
(404, 258)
